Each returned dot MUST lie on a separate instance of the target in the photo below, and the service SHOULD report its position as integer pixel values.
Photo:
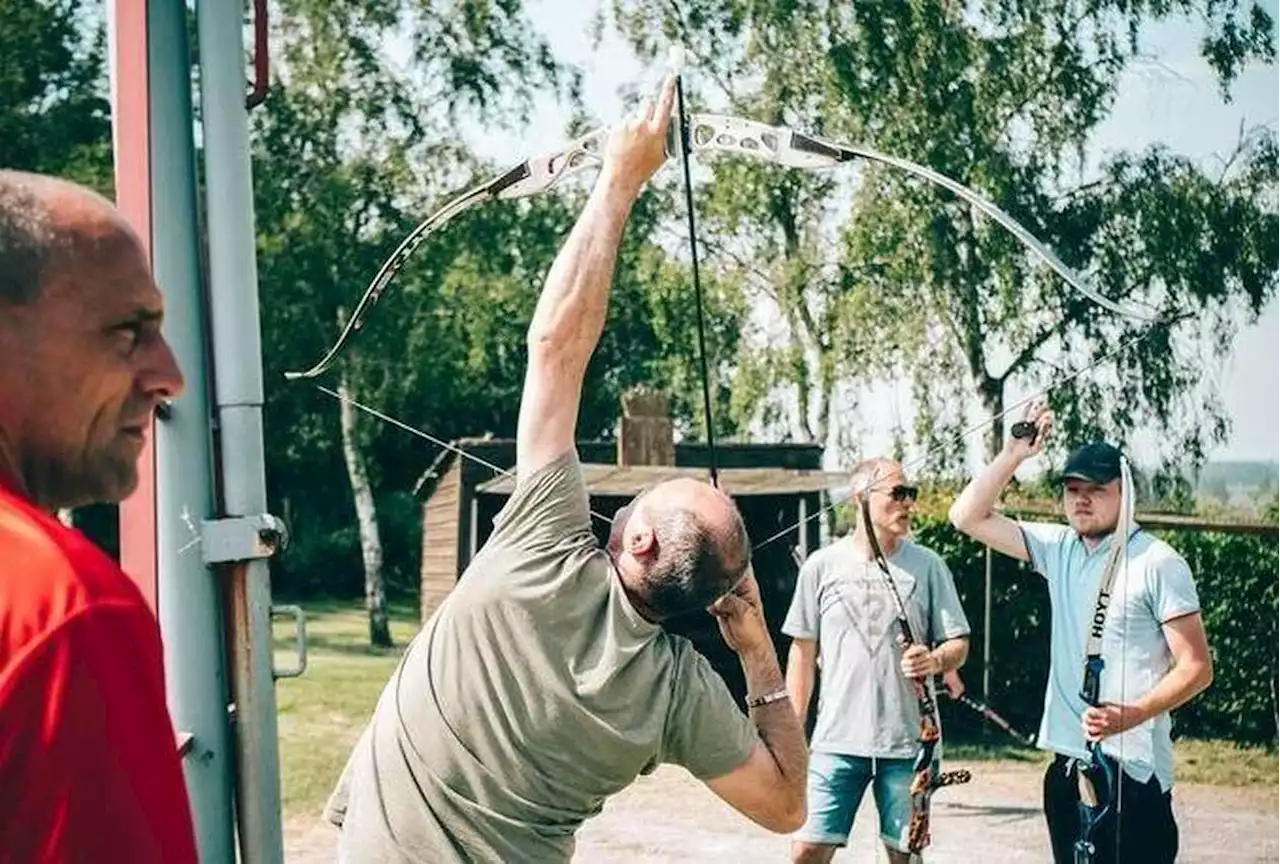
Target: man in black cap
(1150, 636)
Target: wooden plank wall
(440, 539)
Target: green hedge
(1236, 576)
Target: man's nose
(163, 379)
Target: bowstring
(1129, 505)
(697, 282)
(439, 442)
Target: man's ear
(641, 541)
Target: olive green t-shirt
(534, 693)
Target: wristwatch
(758, 701)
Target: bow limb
(787, 147)
(531, 177)
(387, 272)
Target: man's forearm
(951, 654)
(575, 299)
(1180, 684)
(779, 727)
(799, 685)
(979, 498)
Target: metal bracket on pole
(242, 538)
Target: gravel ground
(670, 817)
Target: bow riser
(542, 172)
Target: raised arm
(974, 511)
(570, 313)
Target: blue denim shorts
(836, 785)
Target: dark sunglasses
(904, 493)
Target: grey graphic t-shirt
(866, 707)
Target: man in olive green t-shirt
(545, 683)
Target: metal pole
(803, 516)
(986, 628)
(237, 354)
(189, 599)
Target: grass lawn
(323, 712)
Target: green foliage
(1236, 579)
(1004, 96)
(54, 114)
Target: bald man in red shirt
(89, 769)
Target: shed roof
(615, 480)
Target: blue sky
(1172, 98)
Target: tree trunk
(1275, 708)
(992, 393)
(375, 597)
(1275, 688)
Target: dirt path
(670, 817)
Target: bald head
(83, 363)
(679, 546)
(46, 225)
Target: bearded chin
(106, 476)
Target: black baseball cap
(1095, 462)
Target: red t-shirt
(89, 768)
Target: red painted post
(131, 131)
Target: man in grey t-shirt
(843, 617)
(544, 683)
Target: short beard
(1096, 533)
(101, 477)
(670, 589)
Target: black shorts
(1148, 832)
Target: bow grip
(1091, 688)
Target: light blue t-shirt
(866, 707)
(1156, 587)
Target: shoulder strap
(1116, 559)
(904, 622)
